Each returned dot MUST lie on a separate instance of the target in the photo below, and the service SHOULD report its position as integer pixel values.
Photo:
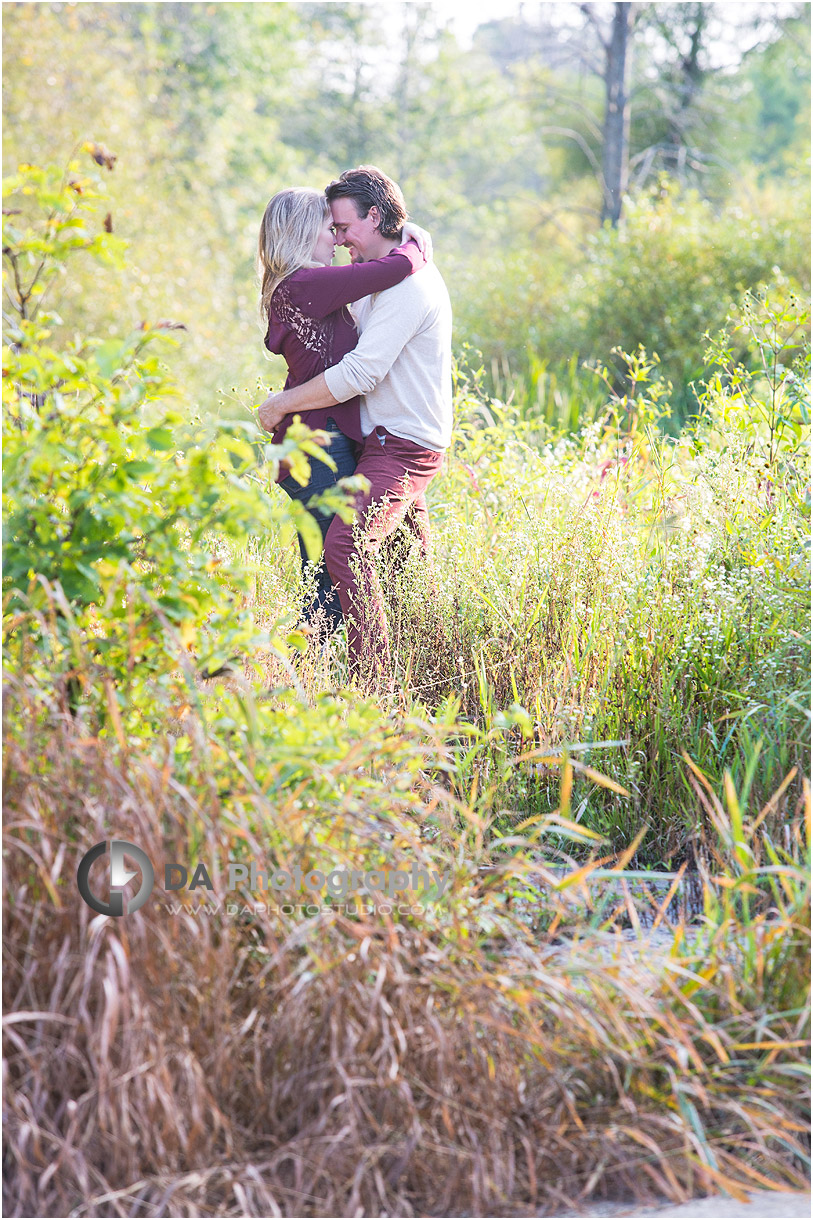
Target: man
(402, 367)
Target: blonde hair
(288, 235)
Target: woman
(304, 300)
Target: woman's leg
(322, 609)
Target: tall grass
(615, 592)
(346, 1061)
(562, 398)
(628, 588)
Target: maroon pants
(399, 472)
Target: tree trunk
(615, 162)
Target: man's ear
(375, 216)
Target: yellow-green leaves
(118, 509)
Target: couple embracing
(368, 349)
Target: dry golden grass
(341, 1065)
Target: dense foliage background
(211, 108)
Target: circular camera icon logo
(119, 876)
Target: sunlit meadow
(600, 707)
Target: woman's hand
(421, 237)
(271, 412)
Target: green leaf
(160, 438)
(139, 469)
(90, 573)
(108, 357)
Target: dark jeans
(323, 609)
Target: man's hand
(271, 412)
(312, 396)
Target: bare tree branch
(587, 10)
(583, 145)
(648, 157)
(22, 297)
(568, 99)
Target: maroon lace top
(309, 324)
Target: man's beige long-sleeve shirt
(403, 362)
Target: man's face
(359, 234)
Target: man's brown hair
(368, 187)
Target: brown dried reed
(176, 1065)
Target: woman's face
(325, 243)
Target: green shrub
(120, 514)
(671, 271)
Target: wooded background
(514, 151)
